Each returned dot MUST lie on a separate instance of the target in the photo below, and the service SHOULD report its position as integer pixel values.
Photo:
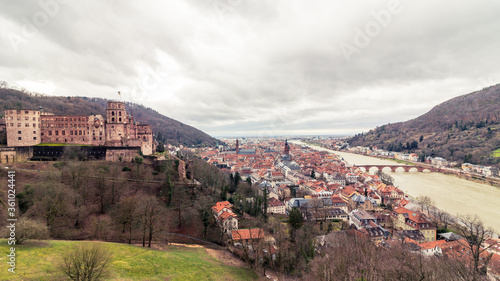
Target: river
(450, 193)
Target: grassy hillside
(171, 131)
(36, 261)
(463, 129)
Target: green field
(496, 153)
(36, 261)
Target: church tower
(287, 148)
(237, 146)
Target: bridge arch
(387, 169)
(400, 169)
(413, 170)
(373, 170)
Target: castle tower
(116, 123)
(116, 114)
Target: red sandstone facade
(29, 127)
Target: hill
(462, 129)
(167, 130)
(38, 261)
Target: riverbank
(462, 175)
(452, 194)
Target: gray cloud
(256, 67)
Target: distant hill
(463, 129)
(166, 129)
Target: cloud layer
(239, 67)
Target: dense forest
(463, 129)
(166, 129)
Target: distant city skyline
(256, 68)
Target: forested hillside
(166, 129)
(463, 129)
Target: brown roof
(244, 234)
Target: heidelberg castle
(31, 127)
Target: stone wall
(7, 155)
(121, 154)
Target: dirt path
(226, 258)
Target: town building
(275, 206)
(405, 219)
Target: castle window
(57, 133)
(50, 133)
(26, 118)
(18, 112)
(34, 118)
(34, 138)
(63, 133)
(80, 133)
(12, 124)
(19, 132)
(19, 138)
(120, 119)
(34, 132)
(71, 132)
(26, 125)
(94, 138)
(100, 133)
(113, 119)
(112, 113)
(120, 113)
(26, 112)
(34, 125)
(100, 138)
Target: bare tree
(443, 218)
(86, 262)
(27, 228)
(151, 213)
(475, 233)
(125, 214)
(426, 203)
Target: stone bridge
(396, 168)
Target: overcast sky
(261, 68)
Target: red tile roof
(244, 234)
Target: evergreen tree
(295, 218)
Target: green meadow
(496, 153)
(37, 261)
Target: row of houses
(487, 171)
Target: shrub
(30, 229)
(86, 261)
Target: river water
(450, 193)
